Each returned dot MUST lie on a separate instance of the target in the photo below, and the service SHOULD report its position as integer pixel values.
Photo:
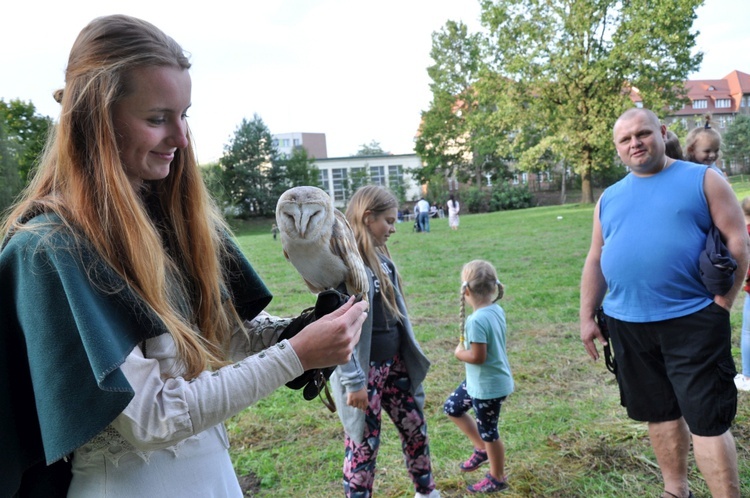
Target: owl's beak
(303, 222)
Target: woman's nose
(178, 134)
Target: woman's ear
(367, 218)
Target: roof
(731, 87)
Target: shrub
(506, 197)
(475, 200)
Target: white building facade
(339, 176)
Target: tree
(371, 149)
(26, 133)
(443, 142)
(358, 177)
(247, 159)
(737, 142)
(300, 169)
(553, 75)
(10, 183)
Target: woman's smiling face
(151, 122)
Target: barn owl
(318, 241)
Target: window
(377, 175)
(522, 178)
(395, 177)
(339, 178)
(324, 183)
(745, 101)
(722, 121)
(700, 104)
(723, 103)
(297, 142)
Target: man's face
(639, 141)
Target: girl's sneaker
(742, 382)
(488, 485)
(433, 494)
(478, 458)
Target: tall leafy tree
(574, 63)
(10, 182)
(300, 169)
(736, 140)
(292, 171)
(444, 140)
(553, 75)
(247, 160)
(26, 133)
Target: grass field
(564, 430)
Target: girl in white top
(453, 209)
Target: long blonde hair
(174, 242)
(480, 277)
(377, 200)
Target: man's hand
(589, 332)
(724, 302)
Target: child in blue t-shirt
(488, 378)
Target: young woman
(388, 366)
(124, 299)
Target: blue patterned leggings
(487, 411)
(388, 388)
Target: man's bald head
(634, 111)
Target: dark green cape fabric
(67, 322)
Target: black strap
(609, 358)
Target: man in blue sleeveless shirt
(670, 335)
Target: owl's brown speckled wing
(344, 245)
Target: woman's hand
(357, 399)
(330, 340)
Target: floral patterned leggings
(388, 388)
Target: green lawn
(565, 433)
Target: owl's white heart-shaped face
(303, 218)
(318, 241)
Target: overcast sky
(352, 69)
